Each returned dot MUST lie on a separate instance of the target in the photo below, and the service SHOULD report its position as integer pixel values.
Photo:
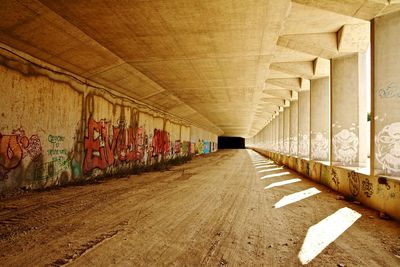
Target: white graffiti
(303, 145)
(286, 146)
(345, 147)
(280, 146)
(319, 147)
(388, 148)
(293, 146)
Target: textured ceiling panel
(227, 65)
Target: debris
(341, 265)
(338, 197)
(370, 216)
(397, 256)
(223, 261)
(384, 216)
(357, 202)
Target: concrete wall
(386, 119)
(57, 128)
(379, 194)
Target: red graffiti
(106, 145)
(14, 147)
(104, 149)
(177, 147)
(160, 142)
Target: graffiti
(354, 183)
(367, 188)
(345, 147)
(59, 160)
(177, 147)
(161, 143)
(390, 91)
(206, 147)
(388, 148)
(186, 148)
(14, 148)
(107, 145)
(98, 150)
(199, 147)
(319, 147)
(293, 146)
(335, 177)
(286, 143)
(316, 170)
(303, 145)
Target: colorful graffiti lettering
(107, 145)
(59, 160)
(160, 142)
(206, 147)
(15, 147)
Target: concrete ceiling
(226, 65)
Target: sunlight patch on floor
(290, 181)
(320, 235)
(265, 166)
(275, 175)
(289, 199)
(270, 170)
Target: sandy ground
(212, 211)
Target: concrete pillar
(349, 112)
(320, 119)
(269, 136)
(286, 130)
(304, 124)
(294, 126)
(281, 132)
(386, 87)
(276, 133)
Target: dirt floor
(212, 211)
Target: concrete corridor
(232, 207)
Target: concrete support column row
(385, 117)
(304, 124)
(349, 112)
(320, 119)
(294, 114)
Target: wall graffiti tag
(319, 147)
(335, 177)
(303, 145)
(14, 148)
(59, 160)
(354, 183)
(293, 145)
(392, 90)
(345, 147)
(108, 145)
(367, 188)
(388, 148)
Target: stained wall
(57, 128)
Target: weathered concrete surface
(57, 128)
(204, 61)
(211, 211)
(382, 194)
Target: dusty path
(212, 211)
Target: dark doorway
(225, 142)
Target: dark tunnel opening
(229, 142)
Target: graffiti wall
(57, 130)
(380, 193)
